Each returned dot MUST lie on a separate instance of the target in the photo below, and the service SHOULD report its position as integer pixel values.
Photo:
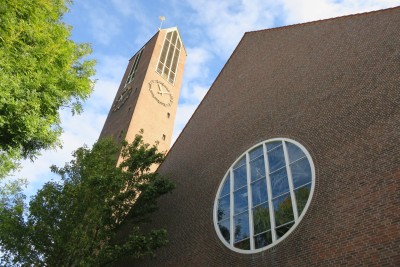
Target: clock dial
(161, 93)
(122, 98)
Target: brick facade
(331, 85)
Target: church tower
(148, 95)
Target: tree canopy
(76, 221)
(41, 70)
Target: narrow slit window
(134, 67)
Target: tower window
(168, 114)
(134, 68)
(168, 62)
(264, 195)
(163, 137)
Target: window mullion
(172, 62)
(250, 201)
(290, 179)
(269, 190)
(232, 232)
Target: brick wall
(333, 86)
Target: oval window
(264, 195)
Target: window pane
(240, 177)
(263, 240)
(272, 145)
(283, 210)
(301, 172)
(256, 152)
(283, 230)
(169, 57)
(259, 192)
(240, 200)
(241, 226)
(261, 219)
(294, 152)
(224, 206)
(302, 197)
(175, 61)
(257, 168)
(241, 162)
(224, 227)
(171, 77)
(169, 35)
(226, 188)
(164, 52)
(159, 67)
(166, 71)
(244, 244)
(276, 159)
(174, 35)
(279, 182)
(178, 44)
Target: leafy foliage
(75, 222)
(41, 70)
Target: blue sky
(210, 31)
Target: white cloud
(104, 25)
(225, 22)
(184, 112)
(126, 7)
(196, 63)
(111, 67)
(310, 10)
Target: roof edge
(179, 35)
(327, 19)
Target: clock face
(122, 98)
(161, 93)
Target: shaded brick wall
(333, 86)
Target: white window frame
(297, 217)
(178, 39)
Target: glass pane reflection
(224, 227)
(294, 152)
(302, 195)
(226, 188)
(241, 162)
(241, 226)
(240, 177)
(263, 240)
(258, 151)
(276, 159)
(283, 210)
(244, 244)
(240, 200)
(261, 219)
(272, 145)
(279, 182)
(257, 168)
(301, 172)
(224, 206)
(259, 192)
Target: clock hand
(160, 90)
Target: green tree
(41, 70)
(93, 215)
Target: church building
(293, 156)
